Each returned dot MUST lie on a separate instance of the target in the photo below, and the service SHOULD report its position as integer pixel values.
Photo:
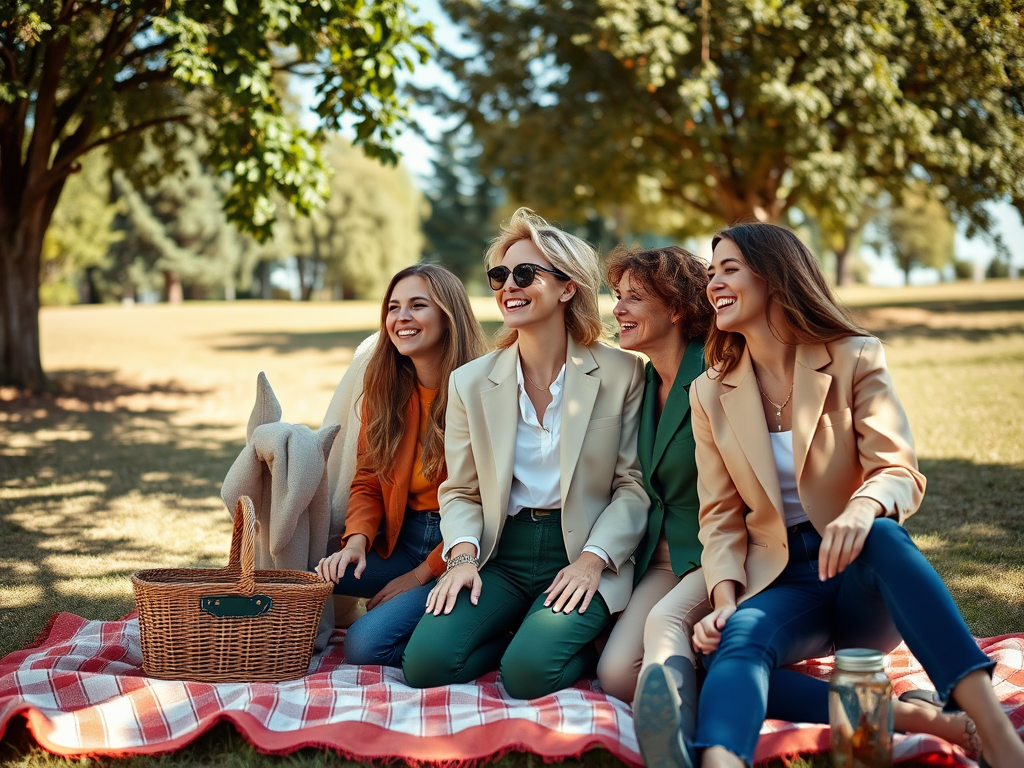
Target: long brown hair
(673, 275)
(390, 378)
(575, 257)
(794, 281)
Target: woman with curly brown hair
(662, 312)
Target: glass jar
(860, 710)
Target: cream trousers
(656, 624)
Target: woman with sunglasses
(544, 501)
(390, 550)
(807, 469)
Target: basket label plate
(233, 606)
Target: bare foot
(920, 717)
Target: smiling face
(738, 296)
(644, 320)
(538, 302)
(414, 322)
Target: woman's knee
(617, 676)
(429, 660)
(527, 676)
(885, 539)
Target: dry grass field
(120, 469)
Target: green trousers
(547, 652)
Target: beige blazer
(603, 499)
(850, 438)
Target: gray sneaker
(656, 719)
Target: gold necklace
(542, 389)
(778, 408)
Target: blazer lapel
(648, 423)
(810, 387)
(743, 408)
(678, 403)
(501, 414)
(577, 404)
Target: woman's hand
(398, 585)
(707, 633)
(442, 597)
(333, 567)
(845, 536)
(575, 584)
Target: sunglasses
(523, 275)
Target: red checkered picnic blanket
(83, 692)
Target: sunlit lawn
(121, 470)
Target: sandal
(969, 739)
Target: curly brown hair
(672, 274)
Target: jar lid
(860, 660)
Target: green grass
(121, 468)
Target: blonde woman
(544, 501)
(391, 546)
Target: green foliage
(463, 211)
(368, 229)
(80, 233)
(718, 111)
(918, 231)
(176, 234)
(101, 73)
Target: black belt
(805, 527)
(537, 515)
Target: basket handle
(243, 545)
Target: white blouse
(782, 449)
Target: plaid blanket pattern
(82, 692)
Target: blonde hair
(390, 378)
(566, 252)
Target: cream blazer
(851, 438)
(603, 499)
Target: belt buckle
(536, 515)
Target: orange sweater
(373, 500)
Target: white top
(536, 469)
(536, 465)
(782, 449)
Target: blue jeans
(890, 592)
(381, 634)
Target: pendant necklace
(778, 408)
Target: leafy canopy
(78, 75)
(737, 108)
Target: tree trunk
(842, 272)
(173, 291)
(20, 248)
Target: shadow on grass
(918, 331)
(972, 305)
(90, 479)
(289, 342)
(971, 528)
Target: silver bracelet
(465, 557)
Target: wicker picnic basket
(231, 624)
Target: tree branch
(114, 42)
(135, 129)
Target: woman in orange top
(430, 331)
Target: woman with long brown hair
(429, 331)
(806, 471)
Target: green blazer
(666, 450)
